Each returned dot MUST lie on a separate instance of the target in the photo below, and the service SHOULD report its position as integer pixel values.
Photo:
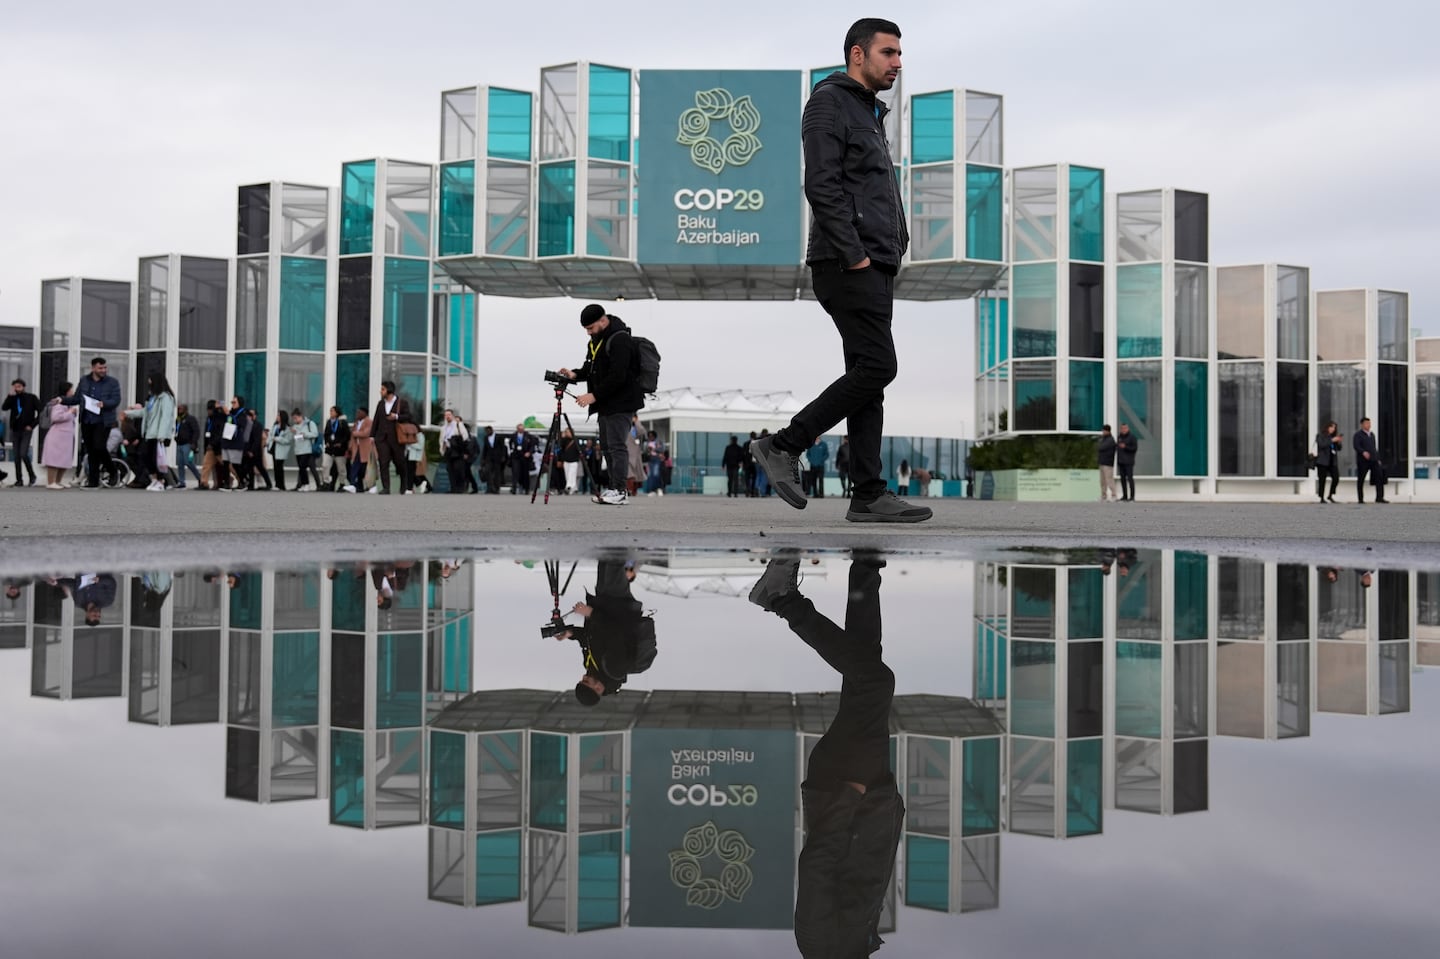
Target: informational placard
(712, 828)
(719, 167)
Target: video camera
(556, 378)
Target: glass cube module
(932, 127)
(458, 115)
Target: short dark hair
(585, 695)
(98, 361)
(862, 33)
(18, 381)
(1106, 427)
(389, 385)
(296, 412)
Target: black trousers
(861, 304)
(305, 468)
(1364, 469)
(856, 747)
(20, 443)
(1127, 480)
(1321, 472)
(388, 450)
(93, 437)
(732, 482)
(520, 474)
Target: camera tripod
(557, 618)
(552, 440)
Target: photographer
(614, 393)
(617, 638)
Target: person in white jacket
(303, 433)
(157, 429)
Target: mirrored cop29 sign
(719, 167)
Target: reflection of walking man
(853, 812)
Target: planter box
(1040, 486)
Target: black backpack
(644, 362)
(642, 647)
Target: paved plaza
(39, 527)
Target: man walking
(613, 392)
(24, 410)
(187, 433)
(857, 239)
(1126, 445)
(1367, 463)
(390, 412)
(522, 450)
(1106, 455)
(98, 397)
(733, 459)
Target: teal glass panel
(347, 778)
(1192, 595)
(352, 393)
(460, 347)
(609, 113)
(932, 127)
(457, 208)
(991, 657)
(1084, 788)
(927, 873)
(447, 779)
(599, 887)
(407, 305)
(250, 382)
(1192, 433)
(1086, 604)
(1137, 689)
(1034, 396)
(245, 600)
(817, 75)
(984, 213)
(302, 303)
(1139, 386)
(549, 768)
(497, 867)
(1032, 689)
(508, 120)
(1033, 289)
(1087, 395)
(295, 695)
(557, 209)
(1138, 313)
(980, 813)
(1087, 214)
(357, 207)
(994, 319)
(456, 652)
(1002, 339)
(399, 681)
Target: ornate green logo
(688, 866)
(709, 153)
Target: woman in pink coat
(58, 454)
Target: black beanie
(591, 314)
(586, 695)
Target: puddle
(1166, 751)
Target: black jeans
(732, 482)
(1331, 470)
(305, 469)
(856, 746)
(21, 445)
(614, 440)
(861, 304)
(1127, 480)
(93, 437)
(388, 450)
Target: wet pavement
(1120, 750)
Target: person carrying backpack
(614, 392)
(617, 640)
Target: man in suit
(389, 413)
(1367, 463)
(522, 449)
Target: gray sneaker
(780, 579)
(888, 508)
(781, 468)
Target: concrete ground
(128, 527)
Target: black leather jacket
(849, 178)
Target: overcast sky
(1312, 126)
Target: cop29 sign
(719, 167)
(712, 828)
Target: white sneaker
(155, 487)
(375, 490)
(409, 492)
(613, 497)
(660, 492)
(348, 488)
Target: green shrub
(1045, 451)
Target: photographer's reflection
(853, 811)
(616, 640)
